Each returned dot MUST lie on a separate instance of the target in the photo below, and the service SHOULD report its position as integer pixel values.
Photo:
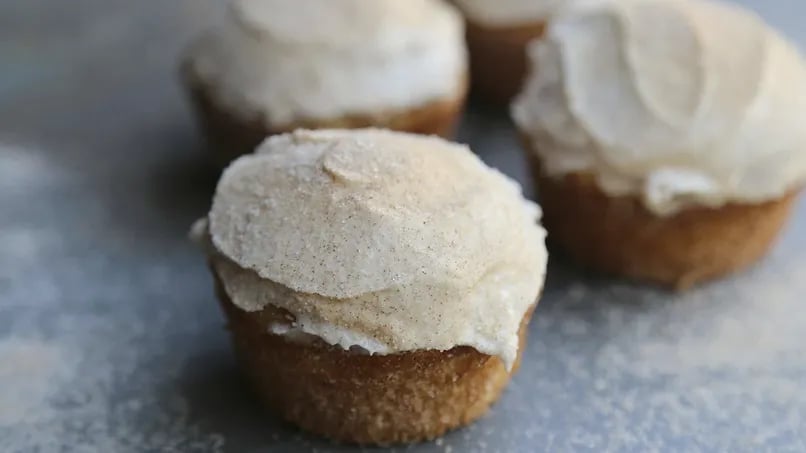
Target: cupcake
(272, 66)
(497, 35)
(666, 136)
(377, 284)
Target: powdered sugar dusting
(55, 394)
(742, 327)
(696, 368)
(26, 379)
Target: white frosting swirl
(504, 13)
(324, 59)
(387, 241)
(680, 102)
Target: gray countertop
(110, 339)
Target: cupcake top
(380, 240)
(324, 59)
(680, 102)
(507, 13)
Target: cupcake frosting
(379, 240)
(680, 102)
(324, 59)
(503, 13)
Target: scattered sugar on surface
(86, 391)
(741, 328)
(717, 368)
(75, 376)
(26, 378)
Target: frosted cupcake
(497, 35)
(377, 284)
(666, 136)
(273, 66)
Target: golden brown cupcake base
(619, 236)
(231, 135)
(498, 62)
(359, 398)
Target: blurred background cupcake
(497, 35)
(667, 136)
(272, 66)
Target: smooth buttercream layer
(508, 13)
(325, 59)
(679, 102)
(392, 242)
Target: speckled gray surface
(110, 339)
